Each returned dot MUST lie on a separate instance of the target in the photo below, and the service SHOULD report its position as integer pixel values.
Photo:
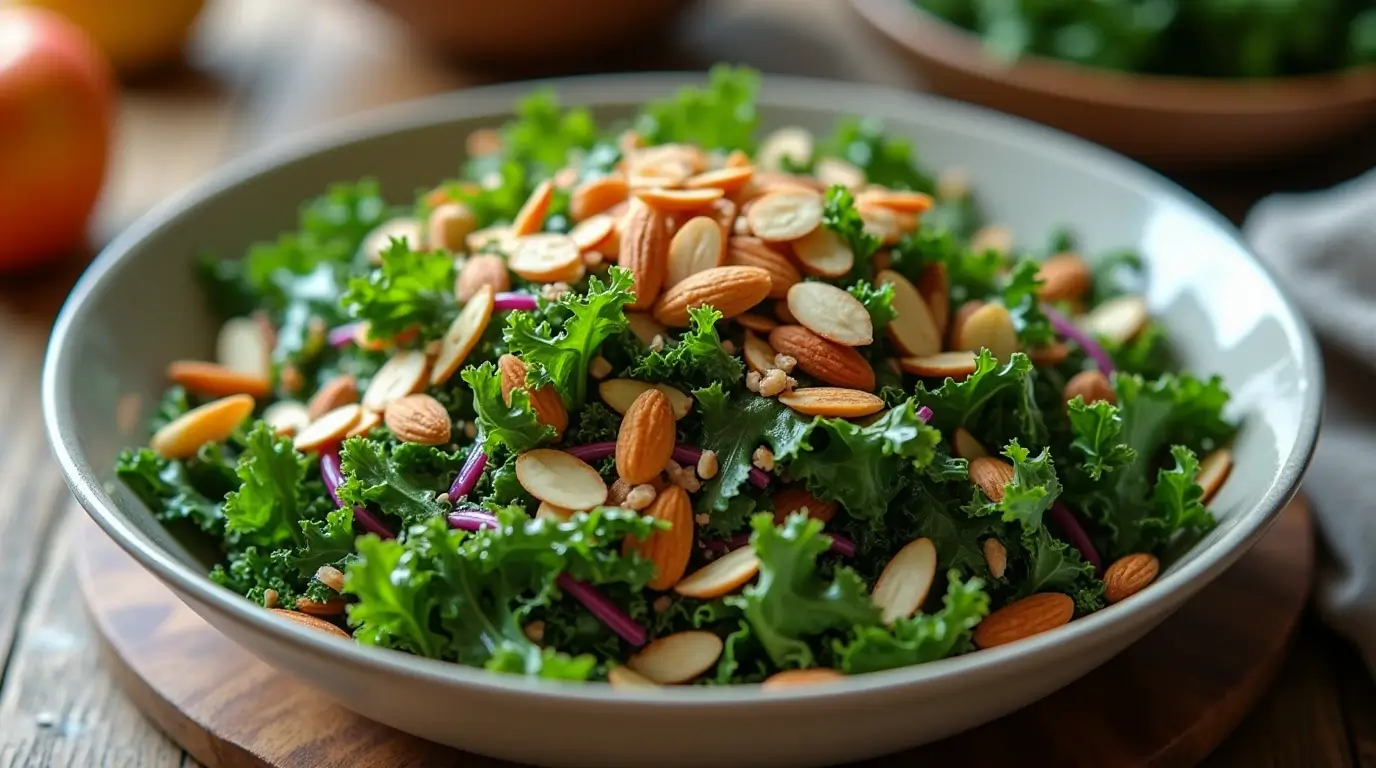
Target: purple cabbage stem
(1065, 327)
(468, 476)
(842, 545)
(1075, 534)
(592, 451)
(511, 300)
(334, 477)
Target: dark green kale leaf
(696, 359)
(410, 290)
(403, 482)
(921, 638)
(513, 426)
(734, 427)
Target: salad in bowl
(669, 402)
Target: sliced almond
(311, 622)
(491, 238)
(758, 354)
(1051, 354)
(885, 223)
(328, 429)
(727, 179)
(697, 246)
(990, 327)
(833, 170)
(242, 347)
(966, 446)
(832, 402)
(1092, 386)
(619, 394)
(903, 202)
(679, 199)
(913, 330)
(341, 390)
(958, 320)
(934, 286)
(213, 422)
(1213, 470)
(831, 313)
(544, 258)
(287, 417)
(677, 658)
(463, 334)
(369, 421)
(785, 216)
(418, 418)
(791, 144)
(645, 440)
(548, 511)
(449, 226)
(398, 377)
(903, 585)
(1065, 277)
(589, 233)
(216, 380)
(1119, 320)
(407, 229)
(823, 253)
(954, 365)
(646, 328)
(722, 576)
(757, 323)
(560, 478)
(792, 678)
(531, 217)
(992, 238)
(596, 196)
(623, 677)
(723, 211)
(991, 475)
(483, 269)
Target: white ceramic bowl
(137, 308)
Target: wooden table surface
(263, 69)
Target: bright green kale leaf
(1019, 291)
(562, 358)
(396, 603)
(545, 136)
(1030, 493)
(403, 482)
(695, 359)
(167, 490)
(1177, 502)
(251, 572)
(1098, 431)
(498, 197)
(411, 289)
(513, 426)
(790, 603)
(1053, 565)
(995, 403)
(267, 509)
(886, 161)
(329, 538)
(920, 638)
(721, 116)
(878, 301)
(1147, 354)
(840, 216)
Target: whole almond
(989, 327)
(668, 548)
(645, 440)
(934, 286)
(594, 197)
(341, 390)
(1130, 575)
(545, 401)
(966, 446)
(1065, 277)
(677, 658)
(833, 363)
(645, 252)
(311, 622)
(210, 423)
(731, 290)
(561, 479)
(831, 313)
(991, 475)
(216, 380)
(1029, 616)
(832, 402)
(995, 557)
(913, 330)
(722, 576)
(902, 587)
(794, 498)
(754, 252)
(482, 269)
(1213, 470)
(697, 246)
(958, 321)
(1093, 386)
(418, 418)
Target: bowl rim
(923, 33)
(496, 102)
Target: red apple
(56, 94)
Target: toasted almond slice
(243, 347)
(966, 446)
(548, 511)
(544, 258)
(500, 238)
(989, 327)
(832, 401)
(727, 179)
(531, 217)
(677, 658)
(462, 336)
(833, 170)
(904, 583)
(991, 475)
(328, 429)
(792, 678)
(992, 238)
(646, 328)
(560, 478)
(790, 143)
(1213, 470)
(589, 233)
(596, 196)
(831, 313)
(404, 374)
(758, 354)
(955, 365)
(618, 394)
(287, 417)
(216, 380)
(624, 677)
(933, 285)
(449, 226)
(903, 202)
(210, 423)
(737, 159)
(369, 421)
(913, 330)
(305, 620)
(679, 199)
(823, 253)
(377, 242)
(1117, 320)
(885, 223)
(722, 576)
(341, 390)
(1065, 277)
(758, 323)
(1052, 354)
(785, 216)
(698, 245)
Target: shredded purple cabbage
(343, 335)
(468, 475)
(925, 414)
(592, 451)
(521, 301)
(1065, 327)
(334, 477)
(1075, 534)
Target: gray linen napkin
(1323, 248)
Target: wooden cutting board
(1167, 701)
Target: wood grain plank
(1357, 695)
(59, 706)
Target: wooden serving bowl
(1170, 121)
